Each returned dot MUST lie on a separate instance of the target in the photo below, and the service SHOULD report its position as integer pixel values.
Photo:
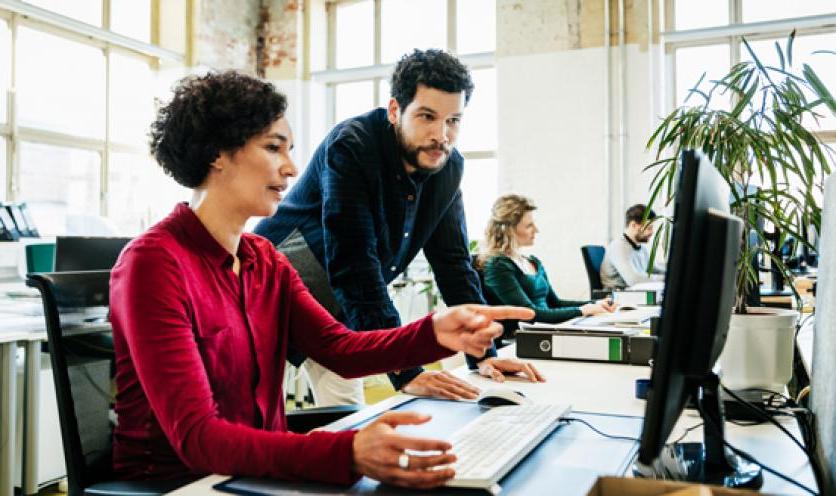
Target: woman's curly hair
(207, 115)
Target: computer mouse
(501, 397)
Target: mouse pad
(571, 457)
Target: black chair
(81, 353)
(593, 256)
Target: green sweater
(513, 287)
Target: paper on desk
(570, 325)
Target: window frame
(731, 35)
(20, 14)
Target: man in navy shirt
(379, 188)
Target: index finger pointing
(505, 312)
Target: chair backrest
(593, 256)
(40, 257)
(81, 352)
(82, 253)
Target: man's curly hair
(207, 115)
(432, 68)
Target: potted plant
(775, 167)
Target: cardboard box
(625, 486)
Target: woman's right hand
(594, 309)
(378, 449)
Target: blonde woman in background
(517, 279)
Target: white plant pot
(759, 349)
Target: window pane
(353, 99)
(478, 127)
(89, 11)
(131, 18)
(475, 26)
(5, 66)
(140, 194)
(479, 191)
(67, 94)
(767, 10)
(384, 94)
(692, 15)
(132, 99)
(824, 64)
(407, 24)
(355, 34)
(61, 185)
(691, 63)
(2, 169)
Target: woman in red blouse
(203, 314)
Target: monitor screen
(27, 217)
(17, 215)
(699, 297)
(74, 253)
(7, 220)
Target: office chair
(81, 355)
(593, 256)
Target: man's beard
(410, 153)
(643, 238)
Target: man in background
(627, 258)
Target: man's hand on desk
(498, 368)
(441, 385)
(380, 453)
(472, 328)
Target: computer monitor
(19, 220)
(74, 253)
(27, 217)
(699, 297)
(823, 369)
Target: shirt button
(393, 268)
(406, 235)
(410, 197)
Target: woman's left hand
(471, 328)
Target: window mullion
(451, 27)
(12, 160)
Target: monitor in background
(27, 218)
(699, 296)
(823, 380)
(20, 222)
(8, 230)
(73, 253)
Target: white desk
(27, 331)
(606, 388)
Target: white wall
(551, 148)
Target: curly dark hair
(433, 68)
(207, 115)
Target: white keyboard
(491, 445)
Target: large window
(367, 37)
(706, 40)
(79, 115)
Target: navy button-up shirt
(365, 219)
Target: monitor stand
(709, 462)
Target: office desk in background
(28, 331)
(590, 387)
